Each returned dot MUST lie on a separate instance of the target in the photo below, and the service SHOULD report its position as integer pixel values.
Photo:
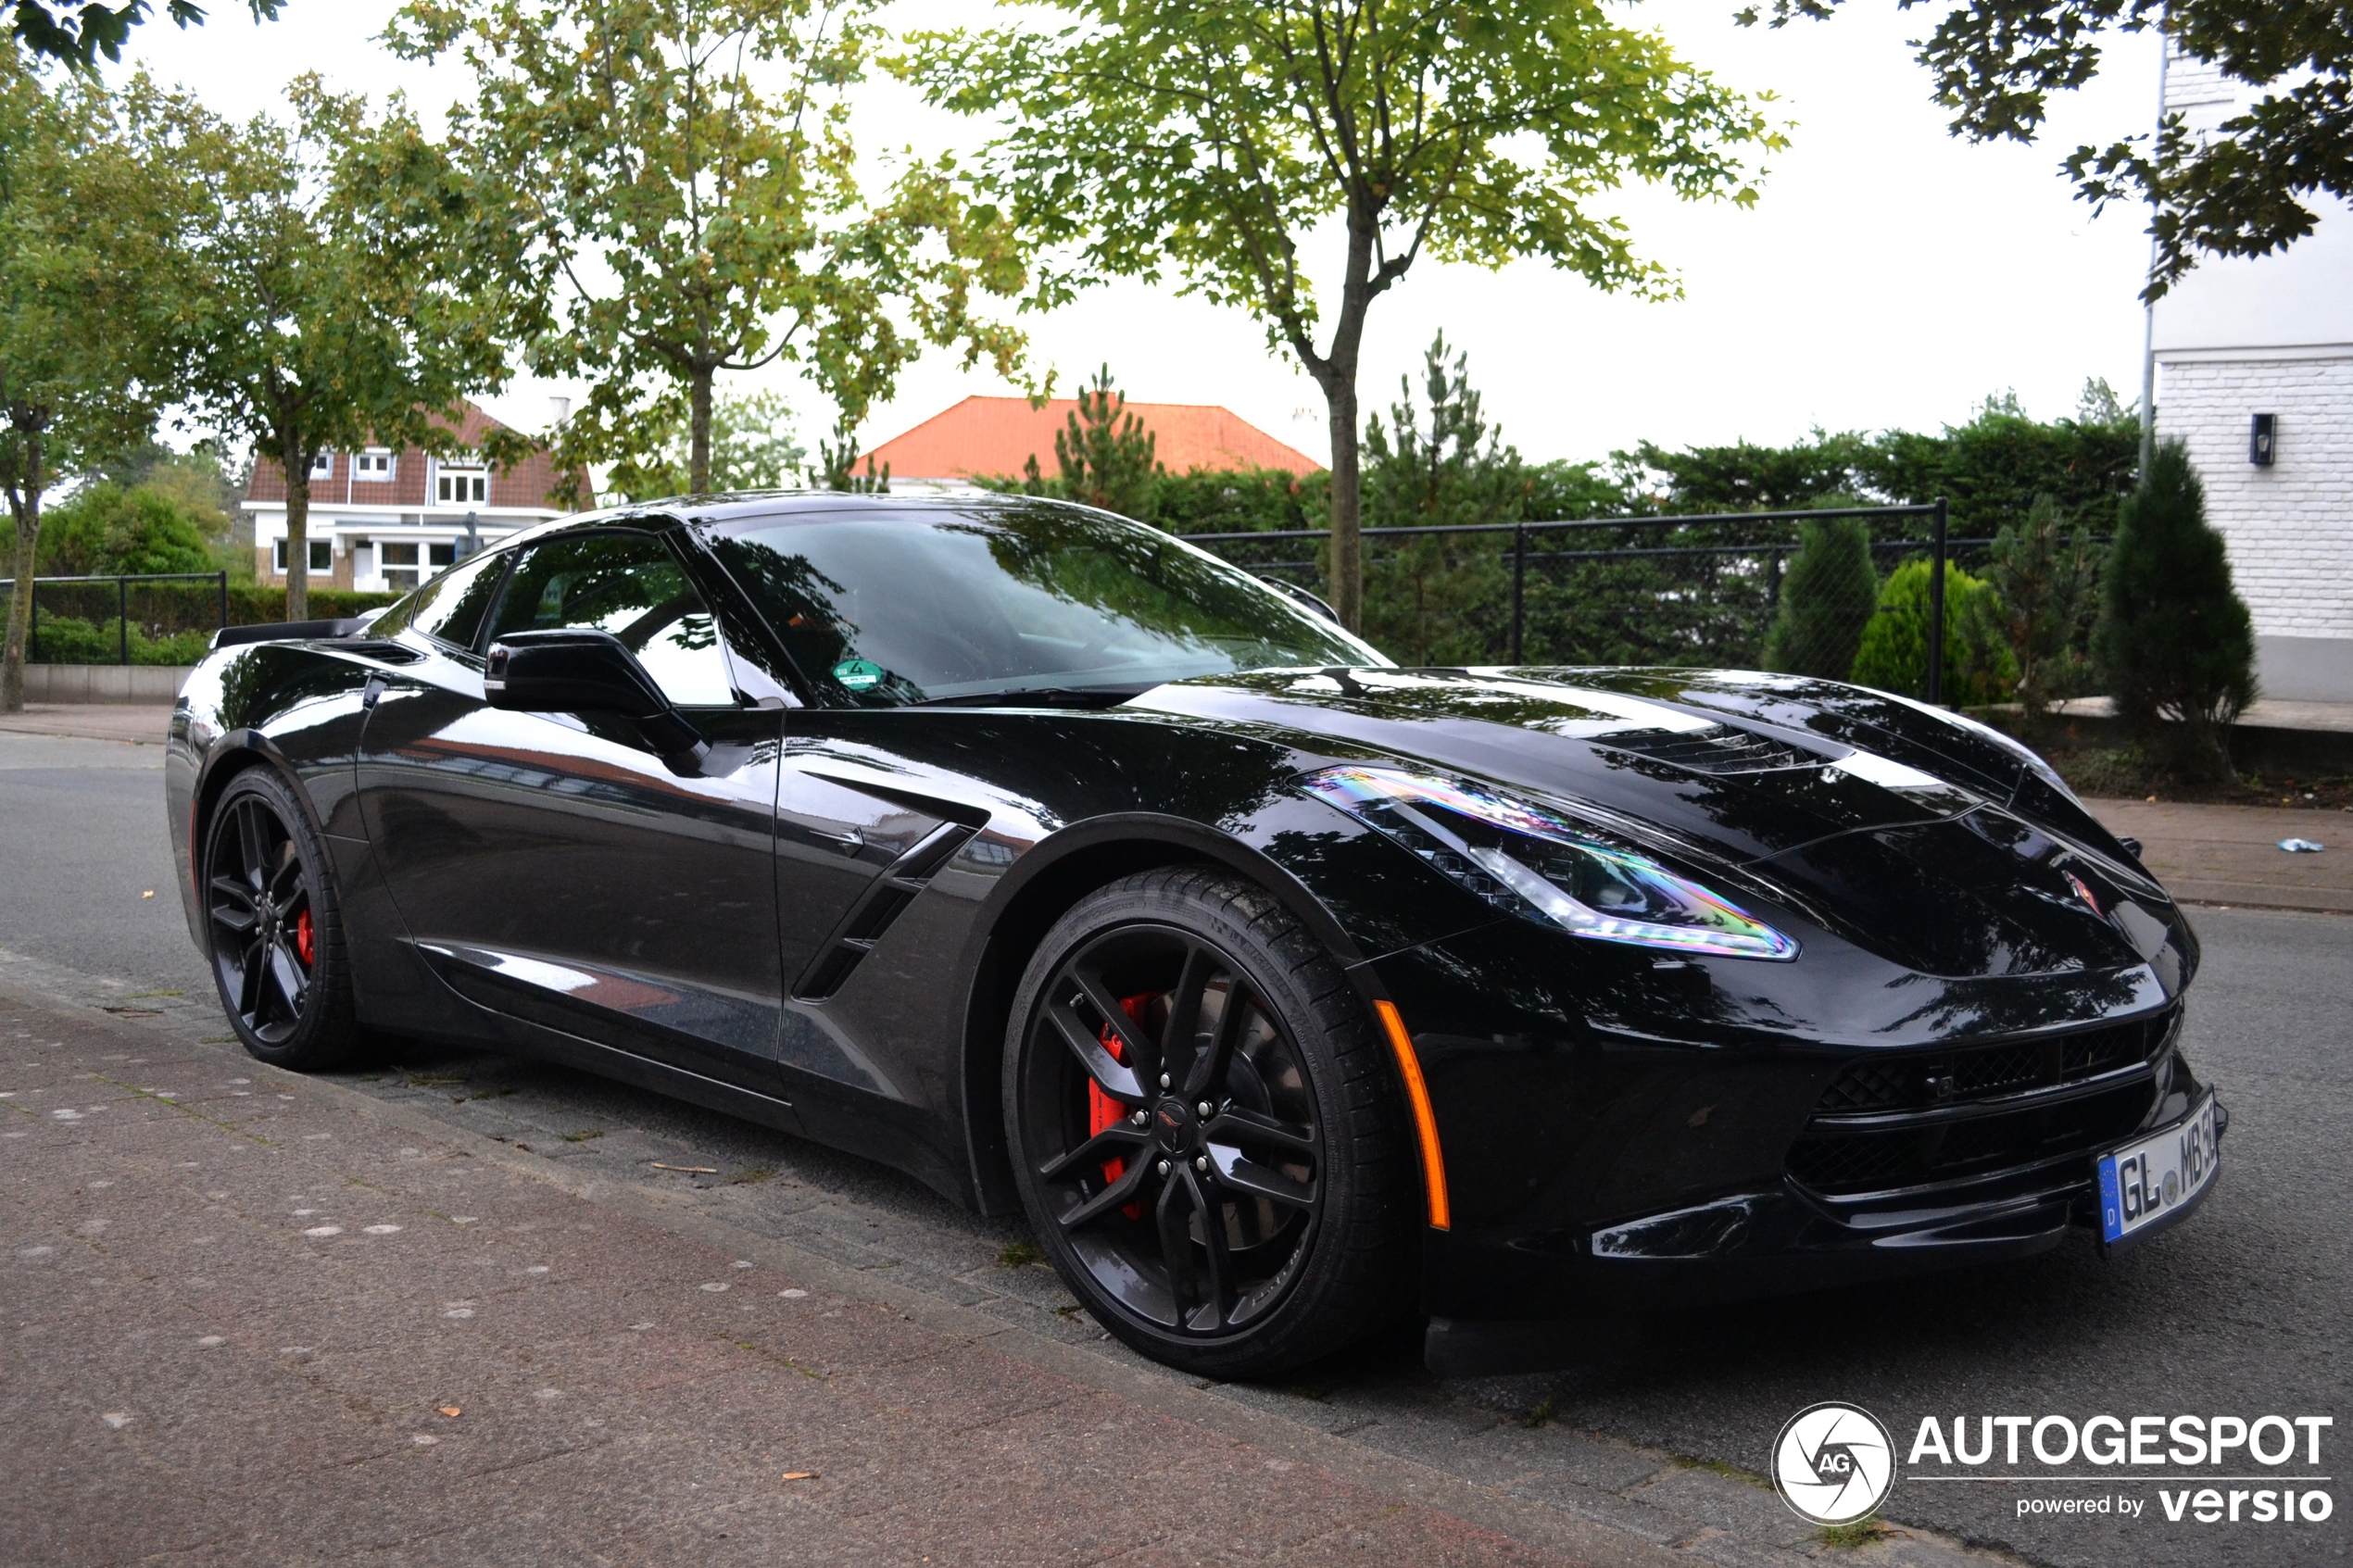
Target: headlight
(1525, 858)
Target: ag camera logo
(1833, 1463)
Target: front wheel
(275, 928)
(1202, 1128)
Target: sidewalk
(253, 1318)
(146, 723)
(2231, 854)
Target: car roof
(777, 504)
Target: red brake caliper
(303, 940)
(1102, 1110)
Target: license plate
(2142, 1182)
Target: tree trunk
(1348, 499)
(20, 600)
(299, 535)
(699, 439)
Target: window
(458, 486)
(632, 586)
(399, 564)
(322, 555)
(374, 464)
(442, 555)
(906, 606)
(322, 466)
(449, 608)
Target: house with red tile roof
(995, 438)
(383, 519)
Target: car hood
(1926, 838)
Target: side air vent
(1719, 749)
(883, 901)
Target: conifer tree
(1827, 598)
(2046, 574)
(2175, 642)
(1108, 458)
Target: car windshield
(889, 607)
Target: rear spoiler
(290, 631)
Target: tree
(107, 530)
(1893, 652)
(2241, 188)
(837, 466)
(751, 448)
(1107, 457)
(313, 323)
(1827, 598)
(82, 307)
(1434, 599)
(2175, 644)
(667, 214)
(78, 31)
(1210, 139)
(2046, 574)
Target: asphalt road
(2247, 1311)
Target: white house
(2254, 372)
(385, 520)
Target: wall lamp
(2262, 440)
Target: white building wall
(2271, 334)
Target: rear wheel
(1202, 1129)
(275, 928)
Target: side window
(632, 587)
(450, 607)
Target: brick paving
(2232, 854)
(238, 1315)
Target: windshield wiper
(1039, 696)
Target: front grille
(1904, 1120)
(1922, 1080)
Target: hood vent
(1719, 749)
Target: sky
(1891, 275)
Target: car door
(553, 867)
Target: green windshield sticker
(858, 674)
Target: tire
(273, 928)
(1301, 1160)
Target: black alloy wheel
(275, 928)
(1202, 1128)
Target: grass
(754, 1174)
(1862, 1533)
(1538, 1414)
(1019, 1254)
(1729, 1472)
(583, 1137)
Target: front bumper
(1786, 1239)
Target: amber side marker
(1424, 1123)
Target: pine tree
(1439, 598)
(2046, 574)
(1827, 598)
(1108, 458)
(2175, 643)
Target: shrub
(2046, 576)
(1827, 598)
(1894, 655)
(107, 529)
(2175, 643)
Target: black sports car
(1067, 867)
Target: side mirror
(585, 671)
